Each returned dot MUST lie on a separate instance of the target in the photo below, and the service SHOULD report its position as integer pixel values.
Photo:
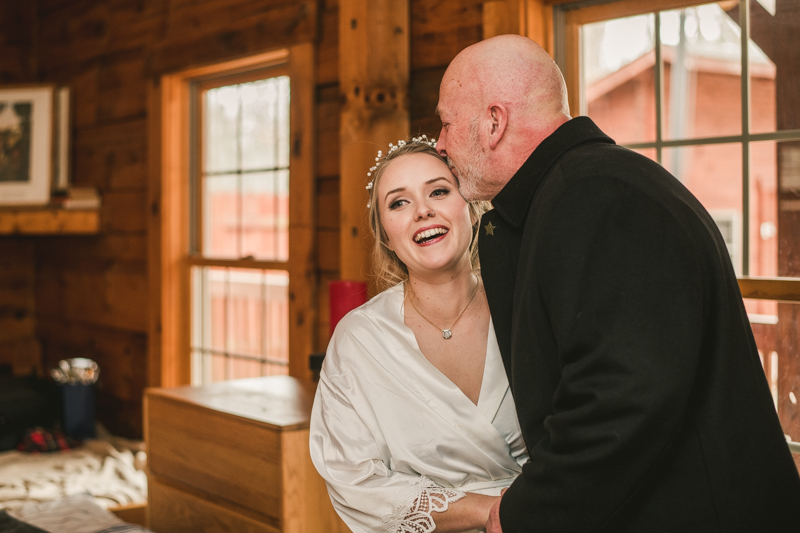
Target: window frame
(171, 131)
(568, 17)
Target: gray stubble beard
(469, 175)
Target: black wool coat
(629, 353)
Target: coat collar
(513, 200)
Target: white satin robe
(393, 437)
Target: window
(235, 259)
(709, 91)
(240, 202)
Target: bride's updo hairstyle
(387, 267)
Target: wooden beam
(302, 218)
(374, 79)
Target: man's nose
(440, 143)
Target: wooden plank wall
(91, 292)
(20, 352)
(18, 345)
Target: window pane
(218, 368)
(240, 323)
(221, 129)
(245, 309)
(265, 124)
(276, 319)
(221, 223)
(763, 209)
(265, 215)
(243, 368)
(774, 73)
(713, 173)
(701, 48)
(245, 171)
(618, 72)
(775, 332)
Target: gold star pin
(490, 229)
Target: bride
(413, 426)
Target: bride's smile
(430, 235)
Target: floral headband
(422, 139)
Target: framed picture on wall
(26, 144)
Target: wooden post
(373, 77)
(302, 262)
(531, 18)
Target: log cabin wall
(91, 292)
(19, 348)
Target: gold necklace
(446, 333)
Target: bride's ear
(498, 115)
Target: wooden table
(233, 456)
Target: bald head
(506, 95)
(511, 69)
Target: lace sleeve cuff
(414, 505)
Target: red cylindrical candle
(345, 295)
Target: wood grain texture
(440, 30)
(781, 289)
(502, 17)
(374, 88)
(168, 227)
(218, 30)
(306, 504)
(328, 48)
(108, 293)
(253, 437)
(16, 42)
(24, 356)
(19, 347)
(113, 155)
(424, 97)
(173, 510)
(302, 212)
(49, 221)
(133, 514)
(248, 473)
(328, 109)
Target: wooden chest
(233, 456)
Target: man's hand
(493, 524)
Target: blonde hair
(387, 269)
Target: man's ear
(498, 115)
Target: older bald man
(627, 346)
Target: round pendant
(446, 333)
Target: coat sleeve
(621, 283)
(366, 493)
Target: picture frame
(27, 119)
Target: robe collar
(513, 201)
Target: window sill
(783, 289)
